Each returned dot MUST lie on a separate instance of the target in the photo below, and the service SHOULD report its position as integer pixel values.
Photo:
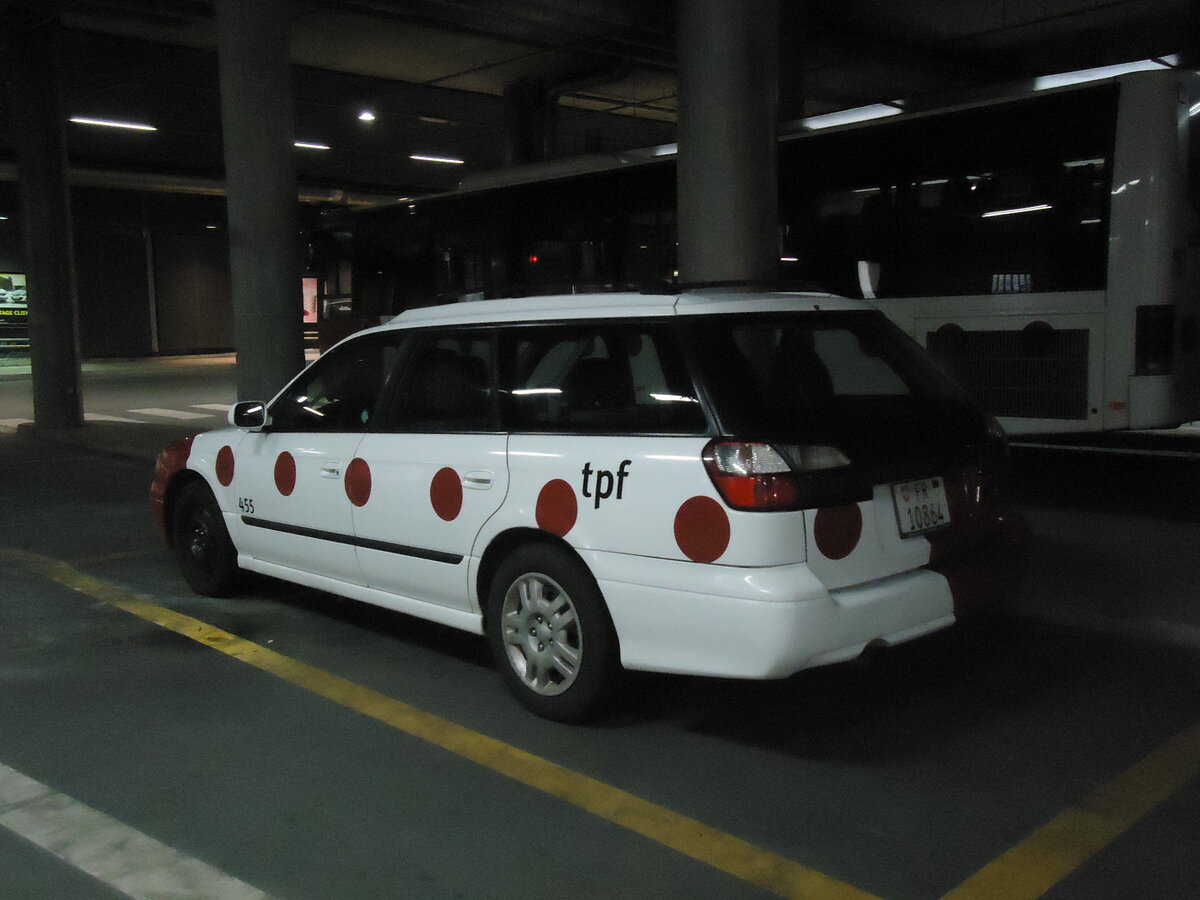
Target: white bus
(1044, 248)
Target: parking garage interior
(289, 743)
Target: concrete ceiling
(434, 72)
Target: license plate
(921, 506)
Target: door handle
(331, 470)
(479, 479)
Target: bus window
(996, 199)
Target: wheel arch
(504, 544)
(175, 487)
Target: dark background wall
(148, 265)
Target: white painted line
(120, 856)
(13, 423)
(1115, 451)
(219, 407)
(100, 417)
(169, 413)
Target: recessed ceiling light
(308, 145)
(437, 159)
(112, 123)
(366, 116)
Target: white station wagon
(715, 483)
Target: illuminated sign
(14, 312)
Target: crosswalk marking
(219, 407)
(169, 413)
(120, 856)
(100, 417)
(13, 423)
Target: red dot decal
(837, 530)
(285, 473)
(446, 494)
(702, 529)
(358, 482)
(557, 508)
(225, 466)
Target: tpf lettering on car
(605, 481)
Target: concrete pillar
(40, 144)
(260, 172)
(529, 121)
(727, 174)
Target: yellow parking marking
(1066, 842)
(690, 837)
(114, 557)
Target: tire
(206, 555)
(551, 635)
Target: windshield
(846, 379)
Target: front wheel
(206, 555)
(551, 635)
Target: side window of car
(446, 385)
(598, 379)
(340, 391)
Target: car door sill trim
(452, 559)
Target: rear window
(845, 379)
(600, 378)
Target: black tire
(206, 555)
(551, 635)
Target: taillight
(753, 475)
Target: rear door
(438, 470)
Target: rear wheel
(206, 555)
(551, 635)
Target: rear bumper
(771, 622)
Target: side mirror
(249, 415)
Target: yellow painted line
(690, 837)
(1066, 842)
(114, 557)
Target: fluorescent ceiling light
(1076, 163)
(308, 145)
(1084, 75)
(849, 116)
(366, 116)
(112, 123)
(437, 159)
(666, 149)
(1019, 209)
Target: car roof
(568, 307)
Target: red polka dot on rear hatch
(446, 494)
(358, 482)
(702, 529)
(225, 466)
(837, 530)
(557, 508)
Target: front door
(297, 481)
